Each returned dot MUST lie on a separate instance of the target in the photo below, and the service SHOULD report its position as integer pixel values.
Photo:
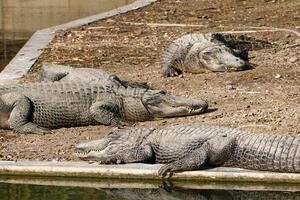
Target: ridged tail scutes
(267, 152)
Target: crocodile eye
(208, 53)
(162, 92)
(111, 133)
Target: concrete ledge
(125, 184)
(140, 171)
(34, 47)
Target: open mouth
(197, 110)
(87, 152)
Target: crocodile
(190, 147)
(51, 72)
(40, 106)
(197, 52)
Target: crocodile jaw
(86, 150)
(221, 58)
(163, 105)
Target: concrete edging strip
(25, 59)
(140, 171)
(30, 52)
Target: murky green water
(38, 192)
(8, 49)
(19, 19)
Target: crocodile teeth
(84, 153)
(81, 154)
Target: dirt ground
(263, 99)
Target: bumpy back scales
(272, 152)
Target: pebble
(163, 122)
(278, 76)
(230, 87)
(293, 59)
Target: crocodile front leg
(214, 151)
(107, 113)
(20, 108)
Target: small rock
(293, 59)
(230, 87)
(163, 122)
(278, 76)
(110, 20)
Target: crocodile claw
(109, 160)
(170, 72)
(165, 170)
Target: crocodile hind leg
(214, 151)
(107, 113)
(20, 108)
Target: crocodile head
(160, 105)
(221, 58)
(119, 146)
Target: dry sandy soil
(264, 99)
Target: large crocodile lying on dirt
(53, 72)
(198, 52)
(188, 147)
(39, 106)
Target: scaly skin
(53, 72)
(67, 104)
(198, 52)
(188, 147)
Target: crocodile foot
(170, 72)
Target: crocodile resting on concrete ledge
(53, 72)
(189, 147)
(32, 108)
(217, 52)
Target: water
(19, 19)
(10, 191)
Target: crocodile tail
(242, 42)
(271, 152)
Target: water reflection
(20, 18)
(177, 194)
(35, 192)
(8, 49)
